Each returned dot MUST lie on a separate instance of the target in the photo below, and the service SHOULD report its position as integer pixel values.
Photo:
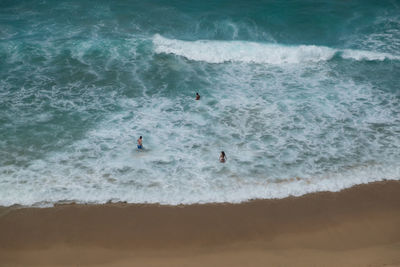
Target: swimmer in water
(139, 143)
(222, 157)
(197, 96)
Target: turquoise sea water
(303, 96)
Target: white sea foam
(367, 55)
(287, 130)
(251, 52)
(65, 187)
(269, 155)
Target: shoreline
(358, 226)
(60, 203)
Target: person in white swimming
(197, 96)
(140, 143)
(222, 157)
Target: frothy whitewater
(251, 52)
(296, 109)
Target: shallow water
(302, 96)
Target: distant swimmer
(222, 157)
(140, 143)
(197, 96)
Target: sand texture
(359, 226)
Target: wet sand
(359, 226)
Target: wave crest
(251, 52)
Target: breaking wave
(212, 51)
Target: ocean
(302, 95)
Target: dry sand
(359, 226)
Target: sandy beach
(359, 226)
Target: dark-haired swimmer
(140, 143)
(197, 96)
(222, 157)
